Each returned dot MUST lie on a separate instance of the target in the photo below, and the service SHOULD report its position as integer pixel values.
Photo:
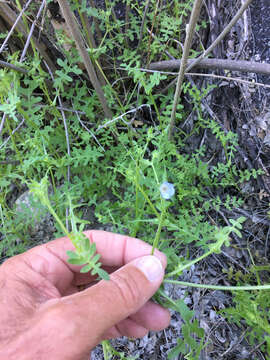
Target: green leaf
(103, 274)
(72, 254)
(78, 261)
(86, 268)
(86, 244)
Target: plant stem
(191, 28)
(161, 219)
(162, 293)
(143, 22)
(232, 65)
(148, 200)
(57, 219)
(222, 35)
(220, 287)
(180, 268)
(73, 27)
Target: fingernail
(151, 267)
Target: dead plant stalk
(77, 37)
(189, 36)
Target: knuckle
(127, 288)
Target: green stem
(137, 193)
(220, 287)
(180, 268)
(106, 354)
(134, 232)
(155, 106)
(57, 219)
(162, 293)
(148, 200)
(13, 141)
(161, 219)
(154, 171)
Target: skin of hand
(45, 316)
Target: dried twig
(13, 67)
(31, 30)
(228, 78)
(2, 122)
(233, 65)
(216, 42)
(222, 35)
(15, 23)
(14, 20)
(89, 131)
(143, 22)
(13, 132)
(189, 36)
(76, 34)
(121, 117)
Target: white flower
(166, 190)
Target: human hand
(45, 316)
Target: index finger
(50, 260)
(115, 249)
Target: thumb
(92, 312)
(128, 289)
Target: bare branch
(15, 23)
(189, 36)
(13, 67)
(31, 30)
(232, 65)
(143, 22)
(14, 20)
(76, 34)
(222, 35)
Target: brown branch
(189, 36)
(13, 67)
(143, 22)
(217, 41)
(233, 65)
(77, 37)
(222, 34)
(11, 17)
(42, 6)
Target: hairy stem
(220, 287)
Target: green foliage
(252, 311)
(193, 336)
(85, 253)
